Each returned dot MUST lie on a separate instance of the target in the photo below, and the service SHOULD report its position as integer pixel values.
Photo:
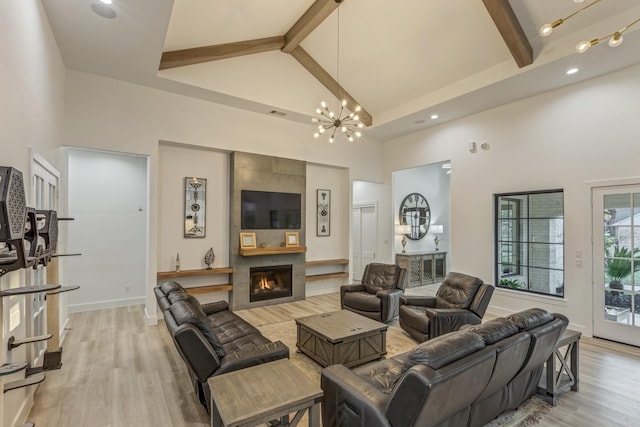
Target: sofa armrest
(350, 400)
(389, 303)
(196, 351)
(349, 288)
(215, 307)
(423, 301)
(354, 287)
(251, 356)
(445, 320)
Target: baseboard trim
(78, 308)
(150, 320)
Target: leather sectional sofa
(463, 378)
(211, 339)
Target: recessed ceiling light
(434, 116)
(572, 71)
(107, 1)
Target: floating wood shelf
(190, 273)
(32, 380)
(210, 288)
(28, 290)
(316, 277)
(13, 342)
(339, 261)
(274, 250)
(325, 276)
(12, 368)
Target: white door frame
(360, 206)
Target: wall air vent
(277, 113)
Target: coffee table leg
(216, 421)
(314, 415)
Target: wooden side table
(263, 393)
(553, 382)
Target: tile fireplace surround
(264, 173)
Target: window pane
(529, 237)
(546, 205)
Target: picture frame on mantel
(247, 240)
(324, 213)
(291, 239)
(195, 195)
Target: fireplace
(270, 282)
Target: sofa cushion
(457, 291)
(531, 318)
(445, 349)
(169, 287)
(186, 312)
(380, 276)
(494, 330)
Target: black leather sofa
(211, 339)
(463, 378)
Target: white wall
(560, 139)
(433, 182)
(175, 163)
(107, 196)
(31, 113)
(336, 245)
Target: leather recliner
(460, 300)
(378, 296)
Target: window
(529, 234)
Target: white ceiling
(402, 60)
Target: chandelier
(615, 38)
(345, 120)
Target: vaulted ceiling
(401, 60)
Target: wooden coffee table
(341, 337)
(262, 393)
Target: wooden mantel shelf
(191, 273)
(273, 250)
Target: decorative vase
(209, 258)
(177, 262)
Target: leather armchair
(460, 300)
(378, 296)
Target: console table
(424, 268)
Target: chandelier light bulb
(546, 30)
(616, 40)
(331, 140)
(344, 102)
(351, 138)
(323, 104)
(360, 125)
(356, 118)
(584, 45)
(321, 130)
(358, 108)
(318, 111)
(331, 114)
(317, 134)
(343, 129)
(358, 134)
(578, 1)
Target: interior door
(616, 263)
(44, 197)
(365, 237)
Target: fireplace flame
(266, 284)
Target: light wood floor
(119, 372)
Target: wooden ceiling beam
(308, 22)
(327, 81)
(511, 31)
(198, 55)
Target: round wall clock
(415, 212)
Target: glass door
(616, 263)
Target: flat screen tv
(270, 210)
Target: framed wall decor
(324, 213)
(195, 194)
(291, 239)
(247, 240)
